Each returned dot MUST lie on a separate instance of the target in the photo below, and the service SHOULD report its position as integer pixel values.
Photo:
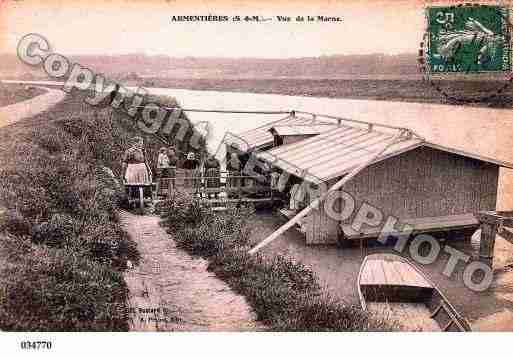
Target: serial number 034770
(35, 345)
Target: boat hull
(394, 289)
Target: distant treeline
(314, 67)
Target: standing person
(191, 165)
(113, 94)
(212, 167)
(134, 165)
(162, 169)
(233, 166)
(275, 177)
(173, 160)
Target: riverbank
(62, 247)
(63, 251)
(405, 90)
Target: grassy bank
(285, 295)
(12, 93)
(62, 248)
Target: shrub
(107, 243)
(59, 231)
(47, 289)
(54, 142)
(15, 223)
(183, 210)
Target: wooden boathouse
(431, 187)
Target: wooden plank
(410, 276)
(442, 219)
(248, 189)
(445, 225)
(407, 273)
(414, 278)
(400, 271)
(213, 190)
(391, 274)
(372, 275)
(411, 316)
(381, 270)
(428, 225)
(235, 200)
(376, 272)
(506, 217)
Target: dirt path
(20, 110)
(172, 291)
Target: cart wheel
(141, 197)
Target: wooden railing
(239, 185)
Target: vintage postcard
(260, 166)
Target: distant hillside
(195, 67)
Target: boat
(392, 288)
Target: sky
(123, 26)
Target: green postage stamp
(472, 38)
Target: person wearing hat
(234, 166)
(191, 165)
(162, 169)
(173, 160)
(212, 173)
(134, 165)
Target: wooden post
(489, 226)
(239, 183)
(141, 197)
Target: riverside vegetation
(285, 295)
(62, 248)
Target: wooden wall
(423, 182)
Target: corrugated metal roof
(291, 130)
(335, 152)
(260, 136)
